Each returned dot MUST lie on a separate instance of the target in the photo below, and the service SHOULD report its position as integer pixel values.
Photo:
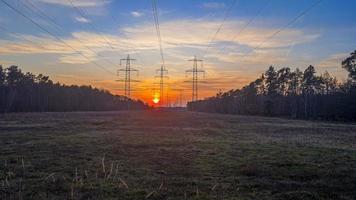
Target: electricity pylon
(162, 74)
(180, 99)
(127, 71)
(195, 75)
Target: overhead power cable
(22, 37)
(249, 22)
(53, 35)
(42, 13)
(81, 13)
(226, 15)
(304, 12)
(158, 31)
(131, 47)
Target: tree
(260, 85)
(293, 94)
(2, 88)
(309, 89)
(350, 65)
(25, 92)
(329, 83)
(296, 79)
(283, 80)
(2, 76)
(309, 80)
(271, 81)
(13, 75)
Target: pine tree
(271, 81)
(350, 65)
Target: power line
(227, 13)
(128, 60)
(22, 37)
(248, 23)
(31, 41)
(304, 12)
(158, 31)
(44, 15)
(81, 13)
(162, 71)
(53, 35)
(131, 47)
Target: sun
(155, 100)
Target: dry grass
(174, 155)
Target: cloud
(189, 37)
(332, 64)
(181, 40)
(136, 14)
(258, 57)
(197, 33)
(333, 60)
(213, 5)
(82, 20)
(78, 3)
(88, 44)
(5, 62)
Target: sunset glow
(242, 48)
(155, 99)
(206, 99)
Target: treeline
(295, 94)
(26, 92)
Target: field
(174, 155)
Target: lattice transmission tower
(195, 71)
(127, 74)
(162, 74)
(179, 99)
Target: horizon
(233, 38)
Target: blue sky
(322, 37)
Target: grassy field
(174, 155)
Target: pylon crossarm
(158, 76)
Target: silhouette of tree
(283, 80)
(271, 81)
(296, 79)
(309, 80)
(29, 93)
(350, 65)
(2, 76)
(292, 94)
(329, 83)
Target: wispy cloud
(332, 64)
(213, 5)
(196, 33)
(79, 3)
(333, 60)
(181, 38)
(87, 45)
(137, 14)
(82, 20)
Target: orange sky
(239, 52)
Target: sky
(92, 36)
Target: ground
(174, 155)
